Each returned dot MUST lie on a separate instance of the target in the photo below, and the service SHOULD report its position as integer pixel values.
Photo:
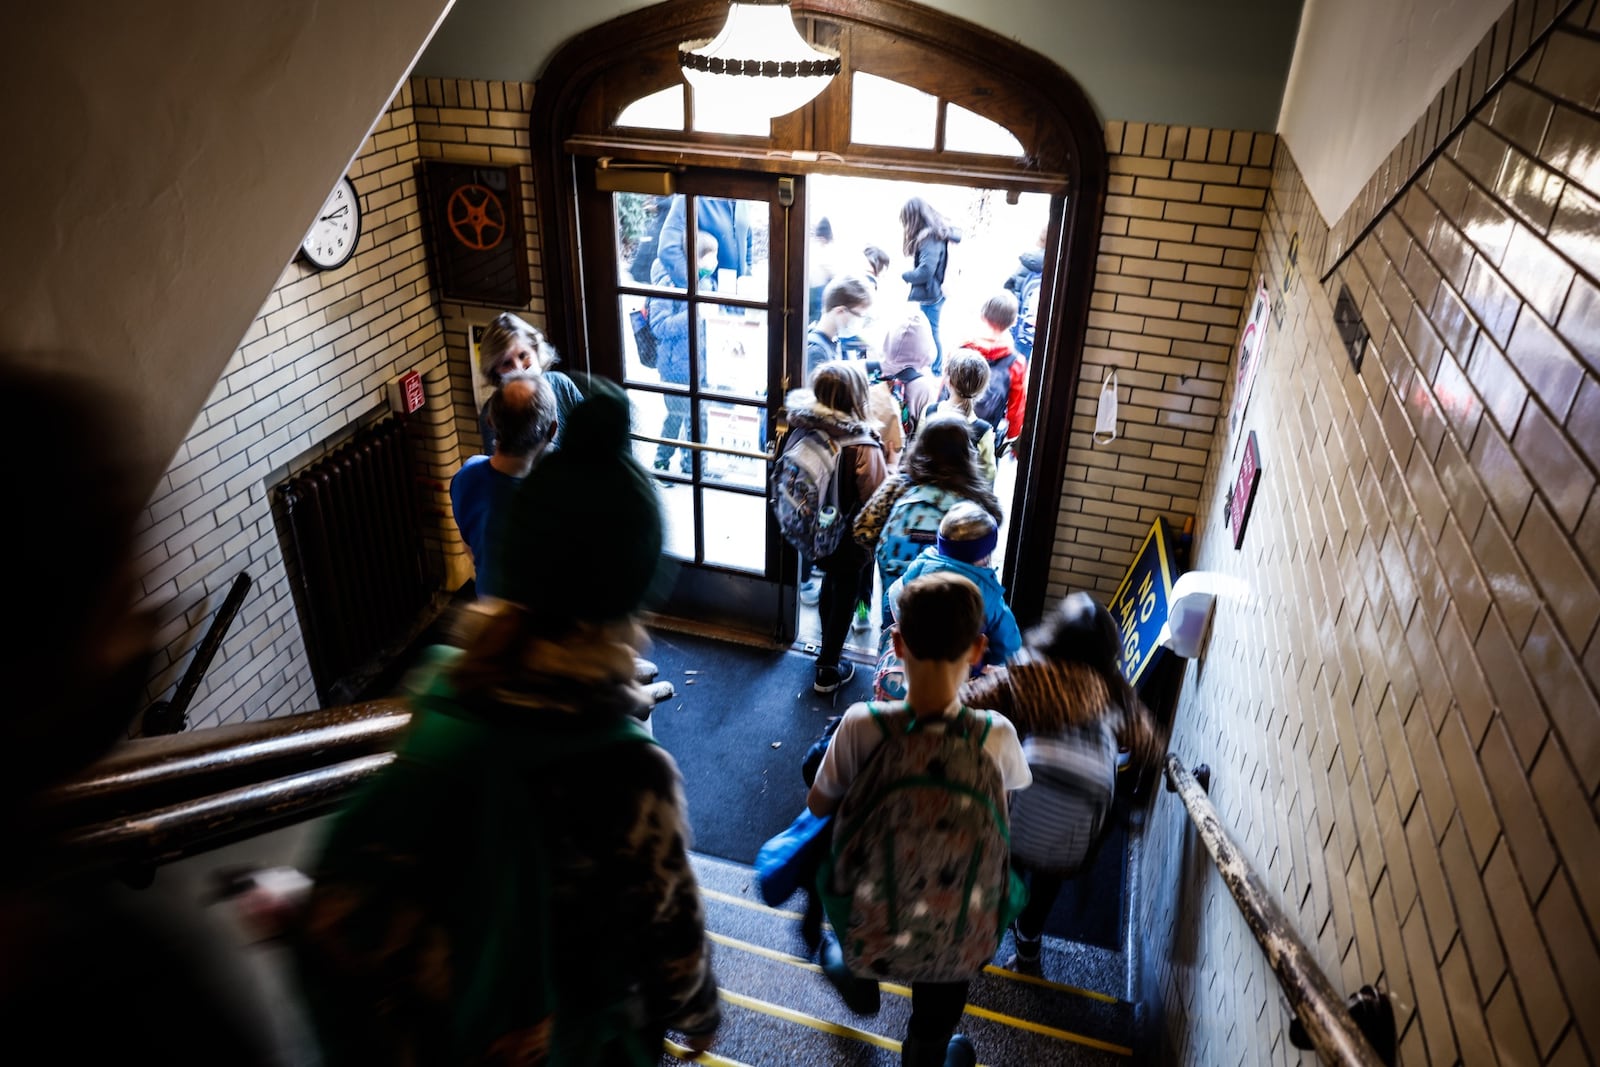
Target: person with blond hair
(508, 344)
(966, 378)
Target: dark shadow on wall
(1171, 908)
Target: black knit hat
(581, 538)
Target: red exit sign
(411, 395)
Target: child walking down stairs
(779, 1009)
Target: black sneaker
(830, 679)
(1028, 951)
(861, 995)
(960, 1053)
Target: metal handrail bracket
(1319, 1007)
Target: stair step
(780, 1009)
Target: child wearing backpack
(1004, 403)
(1024, 285)
(966, 378)
(966, 544)
(831, 464)
(1067, 698)
(932, 846)
(515, 886)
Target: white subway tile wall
(1398, 702)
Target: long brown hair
(841, 384)
(942, 455)
(922, 223)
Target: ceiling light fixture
(758, 67)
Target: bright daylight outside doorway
(866, 211)
(860, 212)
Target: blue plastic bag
(790, 857)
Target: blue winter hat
(967, 533)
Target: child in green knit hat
(530, 827)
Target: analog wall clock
(331, 241)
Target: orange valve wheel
(476, 217)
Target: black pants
(1042, 892)
(936, 1009)
(836, 601)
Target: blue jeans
(932, 312)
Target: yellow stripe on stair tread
(1000, 972)
(778, 1011)
(899, 991)
(1033, 979)
(705, 1059)
(744, 902)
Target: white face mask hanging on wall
(1105, 418)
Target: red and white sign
(411, 396)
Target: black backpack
(991, 406)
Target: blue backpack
(912, 525)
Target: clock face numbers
(332, 237)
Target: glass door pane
(696, 313)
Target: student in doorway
(927, 241)
(939, 639)
(845, 302)
(836, 404)
(1004, 403)
(966, 378)
(1024, 285)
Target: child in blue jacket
(966, 542)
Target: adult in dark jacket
(1024, 285)
(725, 219)
(669, 321)
(927, 241)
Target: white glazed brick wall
(310, 369)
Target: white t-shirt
(858, 737)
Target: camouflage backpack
(919, 886)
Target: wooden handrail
(1321, 1010)
(147, 773)
(154, 799)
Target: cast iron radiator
(351, 526)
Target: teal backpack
(912, 525)
(919, 886)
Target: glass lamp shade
(758, 66)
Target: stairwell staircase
(779, 1009)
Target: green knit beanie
(581, 538)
